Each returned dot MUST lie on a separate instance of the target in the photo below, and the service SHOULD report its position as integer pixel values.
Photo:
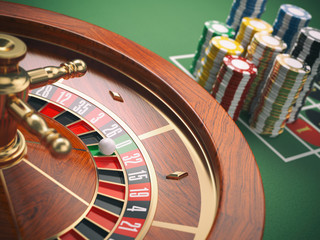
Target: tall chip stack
(218, 48)
(249, 27)
(211, 29)
(233, 81)
(262, 51)
(245, 8)
(288, 23)
(307, 48)
(282, 89)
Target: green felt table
(289, 165)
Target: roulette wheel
(181, 168)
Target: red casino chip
(233, 81)
(240, 65)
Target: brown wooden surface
(76, 171)
(240, 191)
(7, 219)
(167, 150)
(42, 207)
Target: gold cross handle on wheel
(15, 83)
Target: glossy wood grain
(47, 191)
(7, 219)
(138, 110)
(241, 209)
(76, 171)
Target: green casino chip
(211, 29)
(280, 93)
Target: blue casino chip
(245, 8)
(295, 12)
(289, 22)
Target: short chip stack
(249, 27)
(233, 81)
(218, 48)
(245, 8)
(211, 29)
(290, 20)
(307, 49)
(279, 95)
(262, 51)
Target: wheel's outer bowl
(241, 205)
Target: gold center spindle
(15, 83)
(12, 80)
(6, 45)
(49, 137)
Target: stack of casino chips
(211, 29)
(307, 48)
(249, 27)
(218, 48)
(233, 81)
(290, 20)
(245, 8)
(262, 51)
(279, 95)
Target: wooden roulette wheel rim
(240, 209)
